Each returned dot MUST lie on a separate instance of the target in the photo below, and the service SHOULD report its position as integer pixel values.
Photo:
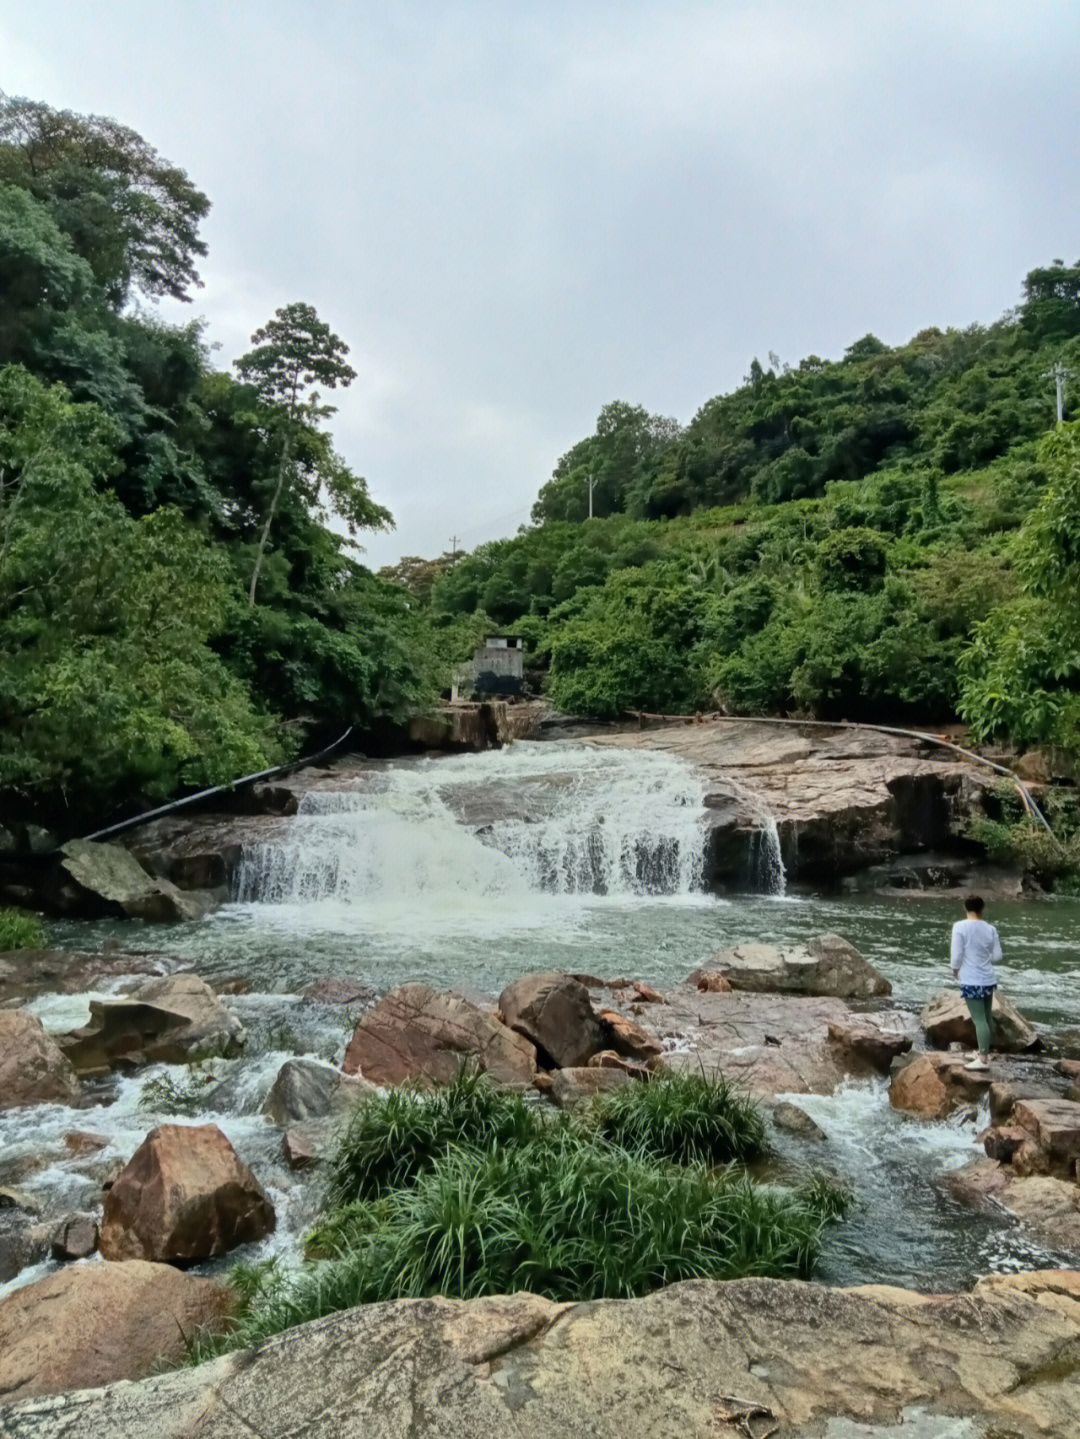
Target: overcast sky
(516, 212)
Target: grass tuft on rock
(470, 1191)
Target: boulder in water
(75, 1237)
(946, 1021)
(1046, 1204)
(555, 1012)
(862, 1047)
(116, 878)
(89, 1324)
(934, 1085)
(33, 1068)
(185, 1195)
(828, 965)
(305, 1089)
(167, 1019)
(419, 1035)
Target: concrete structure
(497, 668)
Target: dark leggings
(982, 1013)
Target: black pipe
(226, 788)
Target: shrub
(19, 930)
(690, 1119)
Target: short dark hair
(973, 903)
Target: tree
(129, 213)
(293, 352)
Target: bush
(19, 930)
(689, 1119)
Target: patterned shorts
(978, 991)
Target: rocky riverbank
(786, 1022)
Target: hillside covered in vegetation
(888, 536)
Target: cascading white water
(770, 877)
(553, 820)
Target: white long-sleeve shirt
(975, 950)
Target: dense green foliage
(471, 1191)
(836, 539)
(19, 930)
(174, 608)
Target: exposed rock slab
(91, 1324)
(946, 1021)
(26, 973)
(33, 1068)
(1049, 1206)
(305, 1090)
(184, 1195)
(689, 1362)
(115, 876)
(826, 965)
(420, 1035)
(934, 1085)
(165, 1020)
(554, 1012)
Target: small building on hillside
(496, 669)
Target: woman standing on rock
(975, 950)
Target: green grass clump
(691, 1118)
(19, 930)
(471, 1191)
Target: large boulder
(89, 1324)
(305, 1089)
(117, 880)
(419, 1035)
(1054, 1125)
(185, 1195)
(827, 965)
(168, 1019)
(934, 1085)
(698, 1360)
(946, 1021)
(555, 1012)
(33, 1069)
(863, 1047)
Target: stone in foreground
(946, 1021)
(683, 1363)
(90, 1324)
(419, 1035)
(827, 965)
(185, 1195)
(33, 1068)
(934, 1085)
(555, 1013)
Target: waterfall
(767, 859)
(451, 834)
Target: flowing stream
(467, 872)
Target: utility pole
(453, 551)
(1059, 374)
(591, 483)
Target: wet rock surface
(26, 973)
(696, 1359)
(169, 1019)
(935, 1085)
(185, 1195)
(88, 1325)
(33, 1068)
(305, 1090)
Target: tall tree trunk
(285, 454)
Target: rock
(710, 981)
(1054, 1124)
(1050, 1207)
(691, 1361)
(115, 877)
(862, 1047)
(1002, 1141)
(418, 1035)
(828, 965)
(89, 1324)
(184, 1195)
(33, 1068)
(23, 1241)
(934, 1085)
(542, 1083)
(166, 1020)
(305, 1089)
(608, 1059)
(628, 1038)
(795, 1120)
(26, 973)
(1005, 1092)
(555, 1013)
(19, 1199)
(1036, 766)
(303, 1147)
(946, 1021)
(333, 990)
(81, 1141)
(570, 1087)
(647, 994)
(75, 1237)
